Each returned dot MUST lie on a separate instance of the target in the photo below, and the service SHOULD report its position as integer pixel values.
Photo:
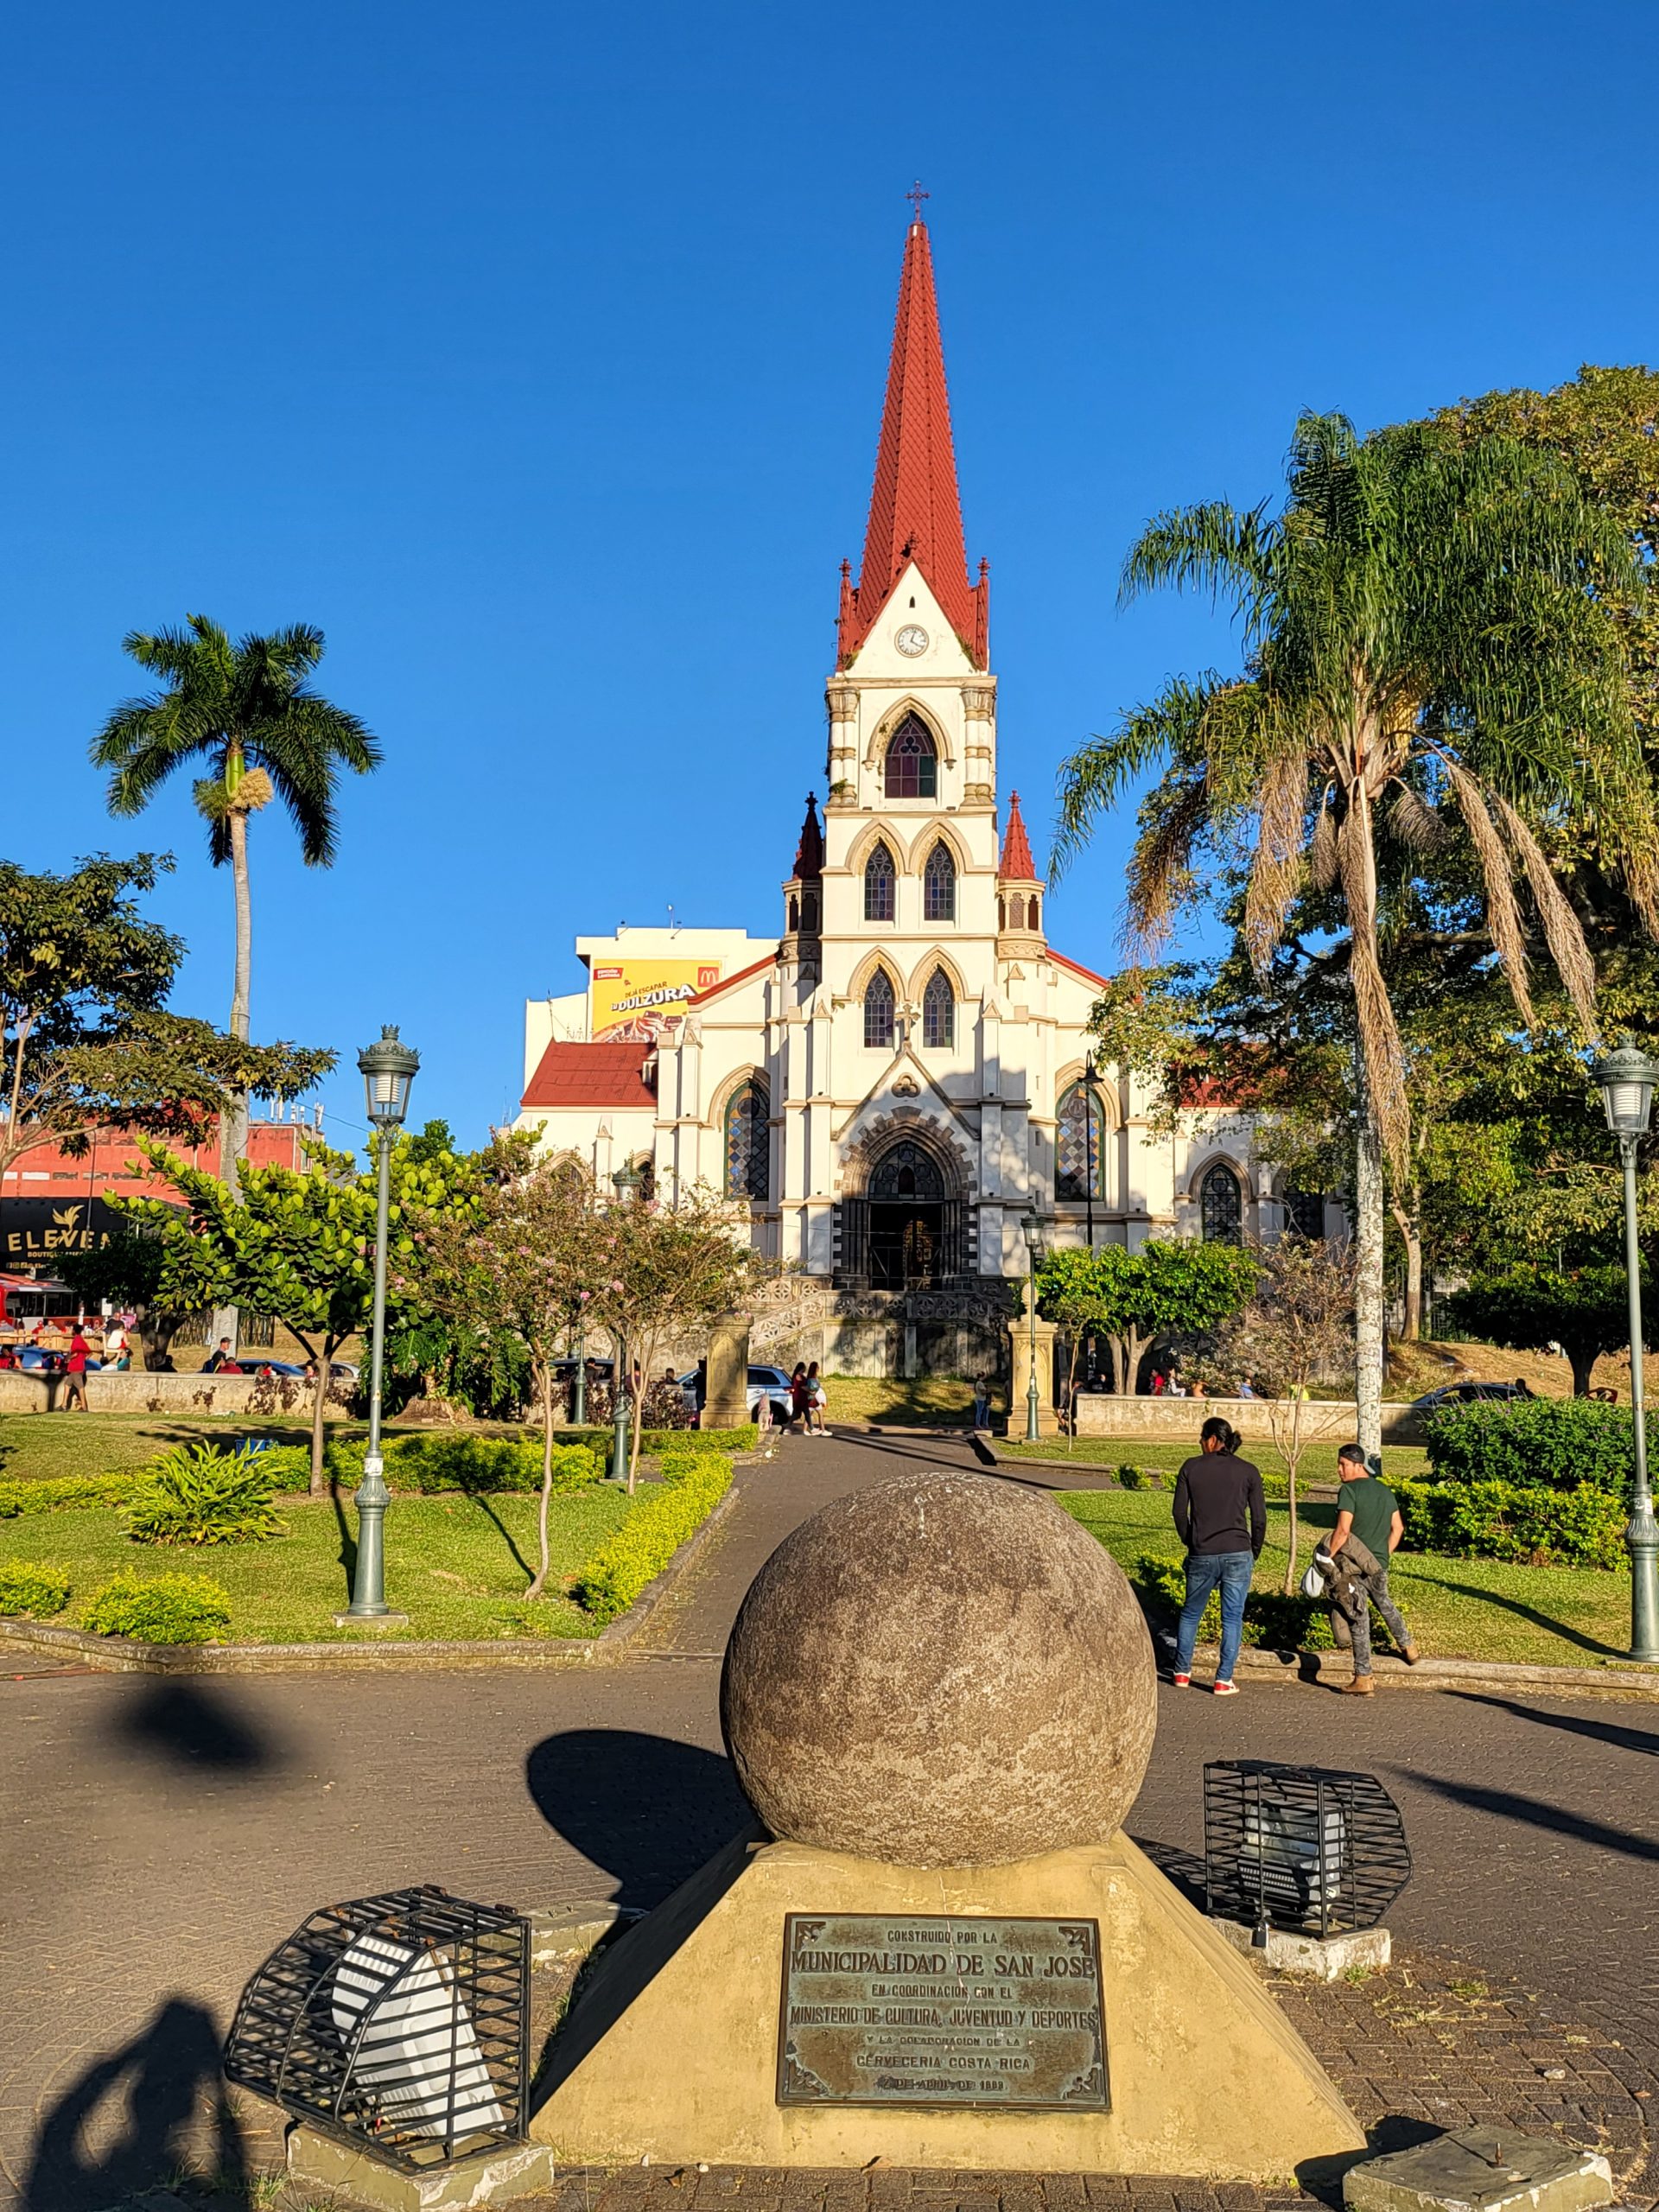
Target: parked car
(38, 1357)
(771, 1382)
(1468, 1394)
(252, 1364)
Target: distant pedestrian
(1220, 1516)
(1244, 1388)
(800, 1396)
(75, 1368)
(222, 1360)
(1160, 1382)
(982, 1401)
(817, 1404)
(1369, 1528)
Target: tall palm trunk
(1368, 1253)
(234, 1125)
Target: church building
(902, 1075)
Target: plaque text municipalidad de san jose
(895, 2009)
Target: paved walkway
(159, 1838)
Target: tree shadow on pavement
(176, 2116)
(1534, 1811)
(190, 1726)
(1598, 1731)
(647, 1809)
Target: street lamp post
(388, 1069)
(1625, 1078)
(1033, 1229)
(627, 1181)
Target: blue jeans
(1232, 1571)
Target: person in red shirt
(75, 1393)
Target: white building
(898, 1077)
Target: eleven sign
(638, 999)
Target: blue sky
(535, 353)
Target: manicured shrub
(287, 1466)
(1529, 1522)
(1272, 1621)
(657, 1524)
(1561, 1443)
(64, 1490)
(450, 1460)
(197, 1494)
(160, 1609)
(31, 1589)
(1130, 1478)
(678, 1465)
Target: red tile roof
(591, 1075)
(915, 509)
(1016, 865)
(1077, 968)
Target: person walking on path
(1220, 1516)
(75, 1392)
(817, 1403)
(982, 1403)
(800, 1398)
(1369, 1528)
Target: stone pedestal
(1322, 1958)
(672, 2052)
(1048, 1419)
(1482, 2170)
(726, 1402)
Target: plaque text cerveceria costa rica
(898, 2009)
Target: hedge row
(154, 1609)
(62, 1490)
(32, 1590)
(1556, 1443)
(456, 1461)
(1272, 1621)
(659, 1524)
(1528, 1522)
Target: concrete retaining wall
(137, 1392)
(1326, 1420)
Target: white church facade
(901, 1074)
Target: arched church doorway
(909, 1219)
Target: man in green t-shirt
(1369, 1525)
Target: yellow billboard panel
(640, 999)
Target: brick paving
(160, 1837)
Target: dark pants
(1231, 1572)
(1375, 1586)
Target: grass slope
(1457, 1608)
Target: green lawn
(34, 1448)
(933, 1401)
(1457, 1608)
(457, 1566)
(1409, 1461)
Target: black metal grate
(398, 2023)
(1303, 1847)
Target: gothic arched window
(878, 877)
(748, 1170)
(878, 1011)
(1016, 912)
(1221, 1208)
(1080, 1145)
(939, 886)
(904, 1171)
(938, 1011)
(912, 763)
(810, 912)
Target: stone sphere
(940, 1670)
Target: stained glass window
(878, 1011)
(939, 886)
(879, 875)
(913, 765)
(1221, 1209)
(938, 1011)
(748, 1150)
(1081, 1157)
(905, 1171)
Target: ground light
(388, 1068)
(1625, 1078)
(1033, 1230)
(399, 2025)
(1303, 1847)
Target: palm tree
(1428, 645)
(246, 711)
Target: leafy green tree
(1172, 1287)
(298, 1245)
(1531, 1307)
(1079, 1290)
(247, 713)
(86, 1037)
(1430, 652)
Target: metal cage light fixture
(399, 2025)
(1315, 1849)
(1625, 1077)
(387, 1067)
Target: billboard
(638, 1000)
(35, 1233)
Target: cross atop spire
(916, 196)
(915, 509)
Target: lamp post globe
(1625, 1078)
(1032, 1229)
(388, 1068)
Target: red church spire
(915, 510)
(1016, 866)
(809, 854)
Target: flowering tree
(518, 1269)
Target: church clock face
(911, 640)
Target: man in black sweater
(1220, 1516)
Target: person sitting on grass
(1221, 1515)
(1368, 1532)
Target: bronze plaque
(905, 2009)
